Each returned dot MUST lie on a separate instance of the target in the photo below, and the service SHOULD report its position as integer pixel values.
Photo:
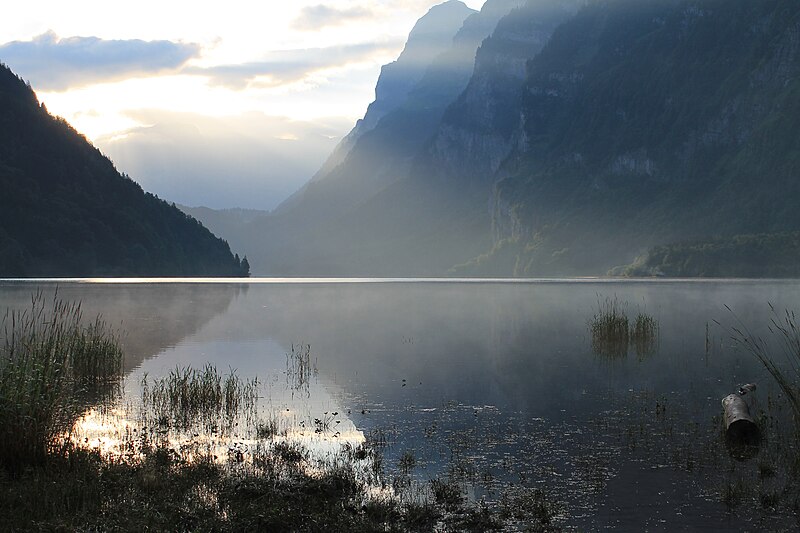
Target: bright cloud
(289, 66)
(57, 64)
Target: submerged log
(737, 415)
(741, 431)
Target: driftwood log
(739, 425)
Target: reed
(188, 395)
(780, 355)
(644, 334)
(51, 363)
(609, 329)
(299, 368)
(613, 332)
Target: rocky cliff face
(375, 157)
(479, 130)
(431, 37)
(582, 134)
(653, 122)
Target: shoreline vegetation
(756, 256)
(55, 368)
(53, 365)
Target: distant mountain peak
(431, 36)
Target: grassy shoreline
(278, 484)
(54, 366)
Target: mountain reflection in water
(494, 382)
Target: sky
(222, 104)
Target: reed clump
(299, 367)
(613, 332)
(189, 395)
(609, 328)
(51, 363)
(644, 334)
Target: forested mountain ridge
(65, 211)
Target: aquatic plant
(299, 368)
(644, 335)
(785, 333)
(187, 396)
(609, 329)
(51, 363)
(613, 332)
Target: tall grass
(609, 329)
(644, 334)
(51, 362)
(187, 396)
(613, 332)
(784, 330)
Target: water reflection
(493, 384)
(152, 318)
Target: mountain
(430, 38)
(229, 222)
(583, 136)
(648, 123)
(65, 211)
(385, 177)
(379, 151)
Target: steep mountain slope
(66, 211)
(296, 239)
(399, 206)
(587, 133)
(479, 129)
(653, 122)
(431, 37)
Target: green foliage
(774, 255)
(51, 364)
(65, 210)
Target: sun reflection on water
(299, 413)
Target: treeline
(66, 211)
(772, 255)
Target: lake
(494, 383)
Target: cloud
(288, 66)
(313, 18)
(53, 63)
(250, 160)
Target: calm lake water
(495, 382)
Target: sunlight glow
(240, 33)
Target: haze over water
(496, 380)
